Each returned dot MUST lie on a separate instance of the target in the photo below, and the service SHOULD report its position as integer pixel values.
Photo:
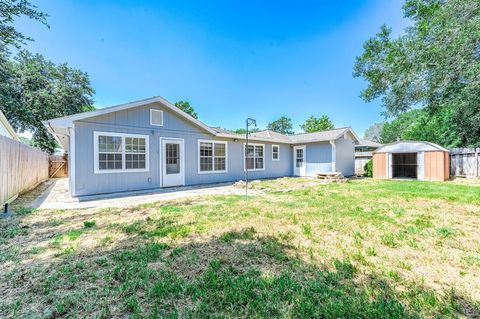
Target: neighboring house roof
(410, 147)
(59, 127)
(6, 128)
(367, 143)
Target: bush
(368, 169)
(89, 224)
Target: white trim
(334, 155)
(213, 171)
(300, 171)
(152, 111)
(71, 158)
(8, 127)
(162, 163)
(67, 121)
(96, 169)
(278, 152)
(244, 158)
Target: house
(363, 153)
(150, 143)
(411, 160)
(6, 129)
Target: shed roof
(410, 147)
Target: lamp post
(248, 122)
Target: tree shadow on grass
(238, 274)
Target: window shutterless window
(275, 153)
(118, 152)
(254, 157)
(212, 156)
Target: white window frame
(244, 157)
(155, 110)
(97, 170)
(213, 171)
(278, 152)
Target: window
(275, 153)
(156, 117)
(116, 152)
(172, 158)
(254, 157)
(299, 157)
(212, 156)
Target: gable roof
(368, 143)
(67, 121)
(59, 127)
(323, 136)
(8, 127)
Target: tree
(434, 65)
(283, 125)
(187, 108)
(244, 131)
(373, 133)
(10, 10)
(418, 125)
(315, 124)
(37, 89)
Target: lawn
(297, 249)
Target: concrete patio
(54, 194)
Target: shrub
(89, 223)
(368, 169)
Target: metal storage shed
(412, 160)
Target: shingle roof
(61, 125)
(368, 143)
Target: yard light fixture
(248, 122)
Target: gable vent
(156, 117)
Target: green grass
(364, 249)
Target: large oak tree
(434, 65)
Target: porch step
(332, 177)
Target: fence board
(465, 162)
(21, 168)
(58, 166)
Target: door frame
(300, 170)
(161, 162)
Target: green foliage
(434, 65)
(187, 108)
(244, 131)
(36, 89)
(89, 223)
(283, 125)
(368, 169)
(419, 125)
(315, 124)
(11, 10)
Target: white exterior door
(173, 162)
(299, 161)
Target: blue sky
(229, 59)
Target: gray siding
(319, 152)
(137, 121)
(345, 156)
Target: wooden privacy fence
(465, 162)
(58, 166)
(361, 158)
(21, 168)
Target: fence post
(477, 150)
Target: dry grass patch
(363, 249)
